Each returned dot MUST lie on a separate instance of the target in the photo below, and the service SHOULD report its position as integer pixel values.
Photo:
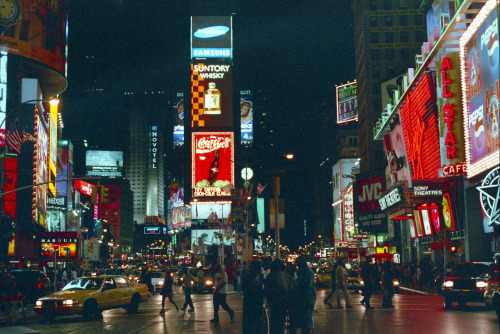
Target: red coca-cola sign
(212, 172)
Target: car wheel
(90, 309)
(133, 307)
(448, 303)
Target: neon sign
(449, 111)
(455, 169)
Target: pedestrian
(387, 278)
(253, 300)
(333, 286)
(341, 282)
(220, 294)
(237, 276)
(303, 298)
(65, 277)
(278, 292)
(167, 292)
(187, 283)
(74, 274)
(367, 274)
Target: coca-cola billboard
(212, 163)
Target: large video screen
(347, 103)
(481, 55)
(211, 37)
(212, 163)
(104, 163)
(211, 95)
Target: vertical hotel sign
(211, 37)
(450, 110)
(212, 163)
(153, 147)
(480, 57)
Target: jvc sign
(367, 193)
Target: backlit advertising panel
(347, 103)
(418, 223)
(211, 237)
(211, 37)
(3, 95)
(37, 30)
(448, 218)
(83, 187)
(212, 156)
(63, 170)
(211, 95)
(342, 175)
(176, 194)
(426, 219)
(10, 183)
(41, 173)
(246, 114)
(178, 116)
(104, 163)
(480, 57)
(368, 189)
(178, 217)
(53, 118)
(421, 131)
(449, 95)
(395, 150)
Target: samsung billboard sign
(211, 37)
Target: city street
(414, 313)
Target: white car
(158, 280)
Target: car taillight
(39, 284)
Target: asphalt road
(414, 313)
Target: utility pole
(276, 190)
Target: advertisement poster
(10, 183)
(211, 95)
(395, 150)
(212, 163)
(481, 54)
(178, 115)
(347, 103)
(368, 189)
(211, 37)
(42, 150)
(246, 114)
(62, 171)
(104, 163)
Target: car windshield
(156, 274)
(117, 271)
(325, 271)
(352, 273)
(471, 270)
(93, 283)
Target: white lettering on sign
(370, 192)
(425, 191)
(212, 143)
(390, 199)
(153, 151)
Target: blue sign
(211, 32)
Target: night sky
(291, 54)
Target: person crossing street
(220, 294)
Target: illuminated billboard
(3, 95)
(211, 37)
(37, 30)
(53, 119)
(246, 114)
(395, 151)
(212, 156)
(421, 132)
(10, 183)
(41, 173)
(211, 95)
(347, 103)
(178, 116)
(368, 189)
(64, 169)
(104, 163)
(480, 57)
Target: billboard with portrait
(178, 119)
(480, 56)
(212, 157)
(37, 30)
(211, 37)
(347, 103)
(104, 163)
(395, 151)
(211, 95)
(211, 237)
(246, 115)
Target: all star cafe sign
(489, 196)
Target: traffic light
(104, 194)
(93, 199)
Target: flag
(260, 188)
(14, 141)
(28, 137)
(245, 195)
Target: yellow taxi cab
(202, 280)
(324, 277)
(90, 296)
(354, 281)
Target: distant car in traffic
(467, 283)
(157, 280)
(492, 294)
(115, 271)
(354, 281)
(202, 282)
(324, 277)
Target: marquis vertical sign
(212, 163)
(153, 147)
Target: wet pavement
(415, 312)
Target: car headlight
(69, 302)
(162, 282)
(481, 284)
(38, 303)
(209, 282)
(362, 282)
(448, 284)
(192, 282)
(395, 282)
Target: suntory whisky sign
(212, 156)
(211, 95)
(211, 37)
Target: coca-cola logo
(212, 143)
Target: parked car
(492, 294)
(89, 296)
(354, 281)
(467, 283)
(33, 284)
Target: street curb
(424, 293)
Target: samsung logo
(211, 32)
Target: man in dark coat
(367, 274)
